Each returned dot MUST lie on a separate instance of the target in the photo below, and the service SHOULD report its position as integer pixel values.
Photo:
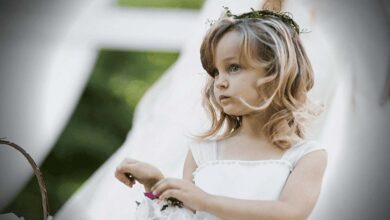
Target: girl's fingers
(126, 164)
(123, 178)
(126, 169)
(157, 185)
(170, 193)
(130, 177)
(164, 184)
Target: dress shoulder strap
(295, 153)
(203, 151)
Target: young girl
(261, 166)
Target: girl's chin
(231, 113)
(234, 113)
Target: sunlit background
(73, 73)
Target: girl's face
(232, 78)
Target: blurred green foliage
(97, 128)
(189, 4)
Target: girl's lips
(223, 97)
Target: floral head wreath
(285, 17)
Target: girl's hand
(131, 170)
(184, 190)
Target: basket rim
(37, 172)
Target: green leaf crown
(286, 17)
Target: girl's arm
(297, 200)
(189, 167)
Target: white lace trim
(243, 162)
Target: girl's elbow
(295, 213)
(293, 216)
(298, 216)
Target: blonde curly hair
(271, 44)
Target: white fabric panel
(356, 182)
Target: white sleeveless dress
(241, 179)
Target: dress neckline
(283, 161)
(282, 158)
(210, 163)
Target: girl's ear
(273, 5)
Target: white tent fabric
(28, 50)
(357, 180)
(49, 50)
(169, 112)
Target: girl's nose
(221, 84)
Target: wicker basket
(38, 175)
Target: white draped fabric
(171, 110)
(49, 49)
(357, 180)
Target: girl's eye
(234, 68)
(215, 73)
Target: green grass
(188, 4)
(97, 128)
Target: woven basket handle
(38, 174)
